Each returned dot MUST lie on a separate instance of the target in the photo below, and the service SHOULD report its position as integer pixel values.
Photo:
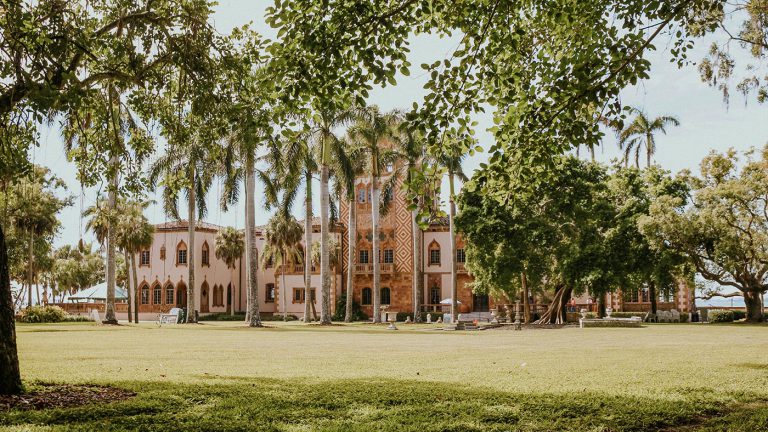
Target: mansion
(163, 270)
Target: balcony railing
(368, 268)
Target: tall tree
(725, 230)
(330, 151)
(283, 235)
(34, 212)
(230, 246)
(374, 131)
(454, 150)
(134, 234)
(641, 132)
(412, 151)
(185, 167)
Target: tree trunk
(376, 241)
(653, 297)
(451, 228)
(10, 377)
(416, 251)
(135, 290)
(325, 259)
(351, 255)
(252, 259)
(601, 305)
(526, 295)
(192, 216)
(30, 260)
(752, 300)
(109, 314)
(307, 242)
(284, 288)
(128, 286)
(556, 312)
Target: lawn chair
(171, 317)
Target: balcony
(368, 268)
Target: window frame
(461, 253)
(391, 256)
(432, 261)
(363, 296)
(269, 291)
(144, 292)
(169, 290)
(144, 254)
(388, 296)
(367, 256)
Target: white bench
(171, 317)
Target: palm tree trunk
(284, 288)
(307, 242)
(30, 259)
(416, 249)
(376, 241)
(451, 228)
(252, 264)
(109, 314)
(653, 297)
(325, 259)
(10, 377)
(351, 251)
(191, 213)
(128, 286)
(135, 290)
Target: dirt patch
(45, 396)
(535, 326)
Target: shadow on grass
(375, 404)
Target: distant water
(719, 301)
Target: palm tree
(640, 132)
(450, 158)
(330, 150)
(350, 165)
(134, 234)
(373, 130)
(186, 167)
(297, 167)
(230, 246)
(35, 214)
(240, 166)
(283, 235)
(411, 149)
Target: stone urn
(583, 313)
(608, 312)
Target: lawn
(291, 377)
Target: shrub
(720, 316)
(739, 315)
(77, 318)
(628, 314)
(223, 316)
(341, 310)
(278, 317)
(685, 317)
(43, 314)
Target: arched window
(157, 294)
(361, 195)
(434, 253)
(385, 296)
(162, 252)
(181, 253)
(219, 295)
(169, 294)
(270, 293)
(206, 254)
(366, 300)
(144, 294)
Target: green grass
(291, 377)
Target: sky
(707, 123)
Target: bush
(223, 316)
(277, 317)
(341, 310)
(628, 314)
(43, 314)
(739, 315)
(720, 316)
(77, 318)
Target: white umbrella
(448, 301)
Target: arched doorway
(204, 298)
(181, 295)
